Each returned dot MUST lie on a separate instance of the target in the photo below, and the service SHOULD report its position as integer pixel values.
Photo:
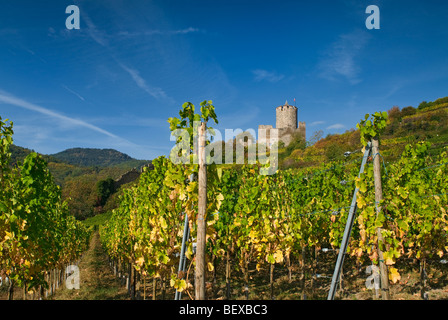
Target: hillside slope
(427, 122)
(78, 172)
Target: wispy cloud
(260, 75)
(316, 123)
(6, 98)
(159, 32)
(73, 92)
(97, 35)
(336, 126)
(340, 59)
(101, 38)
(156, 92)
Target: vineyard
(257, 223)
(258, 227)
(266, 221)
(38, 237)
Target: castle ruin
(286, 125)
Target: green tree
(105, 188)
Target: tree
(317, 135)
(104, 189)
(298, 142)
(394, 114)
(423, 105)
(81, 196)
(408, 111)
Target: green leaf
(270, 258)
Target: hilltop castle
(286, 126)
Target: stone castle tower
(286, 125)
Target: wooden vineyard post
(378, 198)
(201, 223)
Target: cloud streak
(340, 59)
(336, 126)
(159, 32)
(316, 123)
(261, 75)
(73, 92)
(101, 38)
(98, 36)
(156, 92)
(11, 100)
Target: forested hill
(91, 157)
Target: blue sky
(114, 82)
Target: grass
(97, 281)
(98, 220)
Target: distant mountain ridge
(92, 157)
(83, 157)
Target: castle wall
(302, 129)
(126, 178)
(288, 134)
(286, 125)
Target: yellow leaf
(361, 202)
(278, 256)
(362, 233)
(180, 285)
(219, 198)
(210, 266)
(358, 252)
(140, 261)
(394, 276)
(189, 252)
(163, 223)
(252, 234)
